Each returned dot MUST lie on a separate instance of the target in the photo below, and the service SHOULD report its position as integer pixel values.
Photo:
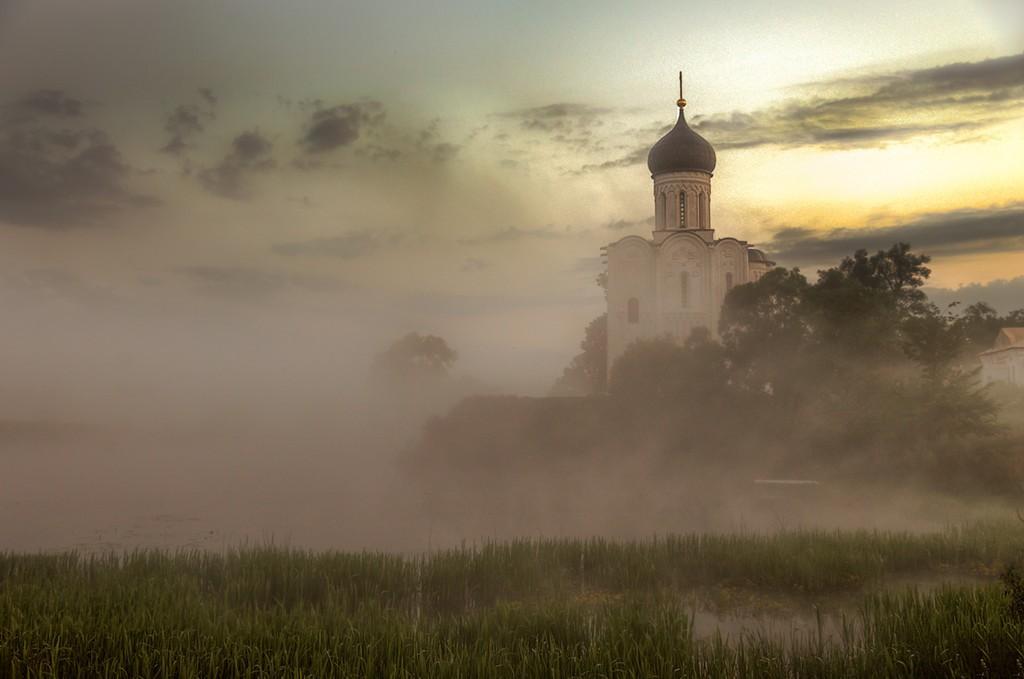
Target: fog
(125, 427)
(213, 219)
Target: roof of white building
(1009, 338)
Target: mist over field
(127, 427)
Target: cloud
(57, 178)
(573, 125)
(339, 126)
(182, 123)
(956, 99)
(187, 120)
(208, 96)
(58, 284)
(947, 233)
(883, 108)
(255, 283)
(250, 152)
(348, 246)
(559, 117)
(44, 103)
(514, 233)
(1004, 295)
(443, 152)
(630, 224)
(634, 157)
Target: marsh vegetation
(791, 604)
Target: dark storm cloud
(59, 177)
(1004, 295)
(996, 230)
(208, 96)
(890, 107)
(348, 246)
(253, 283)
(250, 152)
(339, 126)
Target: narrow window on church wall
(682, 209)
(684, 281)
(728, 281)
(662, 210)
(703, 206)
(633, 310)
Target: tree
(933, 339)
(896, 270)
(414, 357)
(587, 373)
(767, 314)
(980, 324)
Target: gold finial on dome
(681, 102)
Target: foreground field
(527, 609)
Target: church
(1004, 362)
(675, 281)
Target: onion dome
(681, 150)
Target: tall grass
(560, 608)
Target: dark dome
(755, 255)
(680, 150)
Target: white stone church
(1004, 362)
(675, 281)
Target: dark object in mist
(413, 357)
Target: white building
(1005, 361)
(675, 281)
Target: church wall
(652, 273)
(756, 270)
(1003, 366)
(630, 276)
(683, 253)
(731, 264)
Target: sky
(282, 181)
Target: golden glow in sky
(460, 164)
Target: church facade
(1004, 362)
(675, 281)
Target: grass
(545, 608)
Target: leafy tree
(933, 339)
(896, 270)
(767, 314)
(415, 356)
(587, 373)
(980, 324)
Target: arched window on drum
(633, 310)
